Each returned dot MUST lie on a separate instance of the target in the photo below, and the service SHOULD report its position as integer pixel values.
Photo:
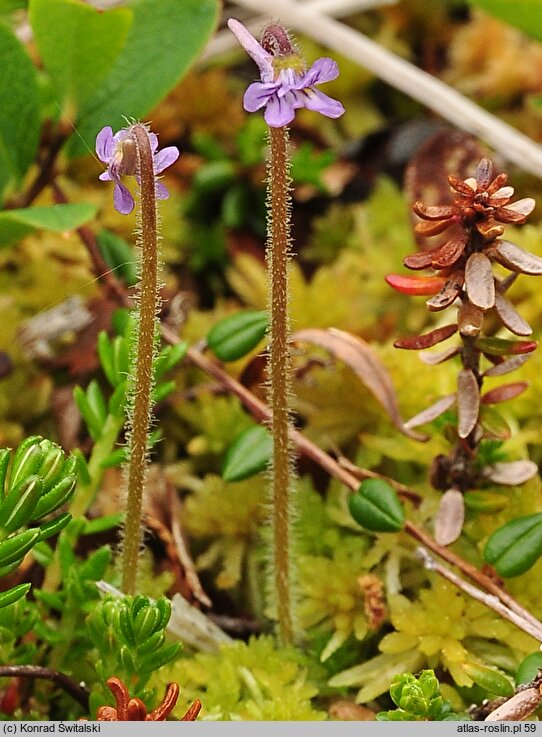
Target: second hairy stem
(142, 378)
(278, 253)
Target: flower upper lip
(284, 90)
(111, 150)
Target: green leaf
(164, 40)
(489, 679)
(78, 44)
(249, 454)
(528, 668)
(523, 14)
(15, 224)
(237, 335)
(516, 546)
(375, 506)
(55, 498)
(14, 594)
(15, 547)
(19, 111)
(19, 504)
(54, 526)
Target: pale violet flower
(285, 84)
(118, 152)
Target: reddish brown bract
(128, 709)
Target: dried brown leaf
(506, 367)
(450, 517)
(365, 363)
(419, 342)
(511, 473)
(449, 253)
(510, 317)
(432, 359)
(479, 281)
(504, 393)
(431, 413)
(516, 259)
(468, 402)
(447, 294)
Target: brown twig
(99, 265)
(75, 690)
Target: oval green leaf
(19, 112)
(237, 335)
(489, 679)
(15, 224)
(376, 507)
(514, 548)
(164, 39)
(249, 454)
(528, 668)
(78, 44)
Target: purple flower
(119, 153)
(285, 85)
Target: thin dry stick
(430, 91)
(77, 691)
(261, 412)
(488, 599)
(224, 41)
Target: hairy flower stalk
(133, 152)
(278, 371)
(285, 86)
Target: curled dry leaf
(468, 402)
(448, 294)
(450, 517)
(506, 367)
(419, 342)
(510, 317)
(365, 363)
(479, 281)
(516, 259)
(512, 473)
(504, 393)
(470, 319)
(449, 253)
(432, 412)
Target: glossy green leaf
(165, 38)
(15, 224)
(16, 546)
(14, 594)
(528, 668)
(54, 526)
(523, 14)
(55, 498)
(489, 679)
(19, 504)
(249, 454)
(237, 335)
(516, 546)
(375, 506)
(485, 501)
(78, 45)
(19, 112)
